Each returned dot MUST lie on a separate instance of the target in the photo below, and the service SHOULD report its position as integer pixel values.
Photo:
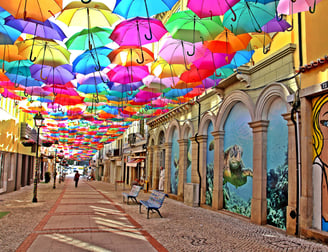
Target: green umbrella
(187, 26)
(89, 38)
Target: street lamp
(55, 167)
(38, 120)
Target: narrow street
(92, 217)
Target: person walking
(161, 179)
(76, 178)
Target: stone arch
(186, 128)
(205, 121)
(169, 131)
(157, 134)
(267, 96)
(228, 103)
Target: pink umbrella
(174, 51)
(125, 75)
(160, 83)
(212, 60)
(208, 8)
(289, 7)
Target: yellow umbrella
(162, 69)
(259, 40)
(44, 51)
(88, 15)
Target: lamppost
(60, 156)
(55, 167)
(38, 120)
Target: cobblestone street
(93, 217)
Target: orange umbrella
(35, 9)
(227, 42)
(131, 56)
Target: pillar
(157, 153)
(202, 165)
(183, 145)
(217, 200)
(259, 200)
(167, 181)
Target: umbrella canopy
(209, 8)
(8, 34)
(87, 15)
(162, 69)
(276, 25)
(127, 74)
(290, 7)
(92, 60)
(251, 16)
(89, 38)
(131, 56)
(35, 9)
(44, 51)
(132, 32)
(187, 26)
(52, 75)
(212, 60)
(44, 29)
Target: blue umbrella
(19, 67)
(8, 35)
(240, 58)
(92, 60)
(24, 80)
(174, 93)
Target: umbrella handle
(193, 51)
(45, 78)
(234, 18)
(60, 109)
(25, 93)
(53, 89)
(150, 32)
(32, 59)
(52, 14)
(217, 75)
(279, 17)
(142, 56)
(184, 56)
(85, 2)
(265, 50)
(310, 8)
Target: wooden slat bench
(154, 202)
(133, 194)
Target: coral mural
(175, 162)
(277, 166)
(238, 174)
(209, 165)
(320, 162)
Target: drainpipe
(198, 150)
(295, 214)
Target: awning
(134, 162)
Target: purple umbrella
(124, 75)
(52, 75)
(275, 25)
(44, 29)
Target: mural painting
(238, 161)
(189, 159)
(277, 166)
(175, 162)
(209, 165)
(320, 163)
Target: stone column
(194, 173)
(157, 154)
(168, 151)
(217, 199)
(259, 200)
(306, 152)
(202, 165)
(292, 177)
(149, 166)
(183, 144)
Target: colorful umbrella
(251, 16)
(92, 60)
(276, 25)
(87, 15)
(212, 61)
(127, 74)
(52, 75)
(44, 29)
(8, 35)
(131, 56)
(209, 8)
(35, 9)
(291, 7)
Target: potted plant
(28, 143)
(47, 143)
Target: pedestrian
(76, 178)
(161, 179)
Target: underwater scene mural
(175, 162)
(189, 159)
(277, 166)
(320, 162)
(238, 161)
(209, 165)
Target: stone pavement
(92, 217)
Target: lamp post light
(38, 120)
(55, 167)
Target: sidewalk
(92, 217)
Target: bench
(154, 202)
(133, 194)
